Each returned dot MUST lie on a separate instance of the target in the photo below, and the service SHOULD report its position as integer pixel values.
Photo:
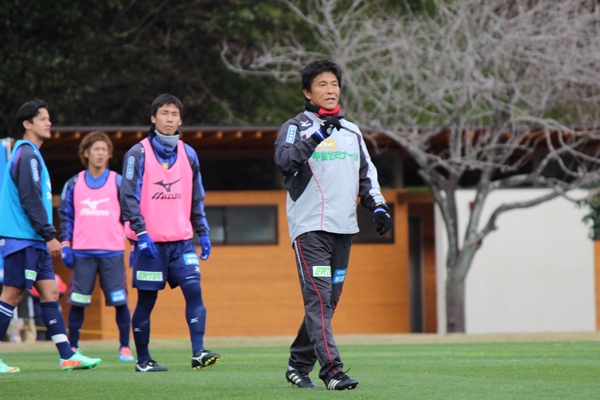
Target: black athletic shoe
(341, 381)
(149, 366)
(299, 379)
(204, 358)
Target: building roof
(223, 139)
(227, 142)
(201, 138)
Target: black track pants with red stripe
(322, 260)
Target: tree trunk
(455, 303)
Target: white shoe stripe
(332, 384)
(295, 378)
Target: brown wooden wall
(254, 290)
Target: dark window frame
(273, 227)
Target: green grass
(522, 370)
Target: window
(242, 225)
(368, 228)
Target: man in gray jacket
(327, 168)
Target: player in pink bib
(162, 205)
(93, 239)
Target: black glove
(327, 128)
(382, 217)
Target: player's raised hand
(326, 128)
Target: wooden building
(250, 283)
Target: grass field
(387, 366)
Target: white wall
(535, 273)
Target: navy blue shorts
(113, 280)
(24, 267)
(175, 262)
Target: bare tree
(509, 88)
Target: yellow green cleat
(78, 361)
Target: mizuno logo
(93, 203)
(305, 124)
(91, 210)
(193, 320)
(52, 322)
(166, 196)
(167, 186)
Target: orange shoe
(125, 354)
(78, 361)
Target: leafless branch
(509, 90)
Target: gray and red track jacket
(325, 180)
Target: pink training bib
(97, 212)
(166, 197)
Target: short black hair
(163, 99)
(316, 68)
(28, 111)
